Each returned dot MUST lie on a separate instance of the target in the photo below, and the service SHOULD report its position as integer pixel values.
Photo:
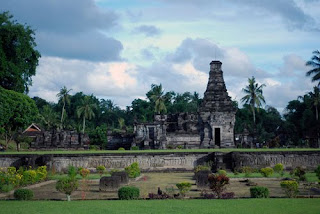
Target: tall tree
(315, 97)
(18, 57)
(315, 64)
(86, 110)
(156, 95)
(17, 112)
(254, 96)
(65, 98)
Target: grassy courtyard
(238, 206)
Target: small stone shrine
(211, 127)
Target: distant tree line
(299, 125)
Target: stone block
(109, 183)
(124, 178)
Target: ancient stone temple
(211, 127)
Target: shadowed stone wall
(166, 161)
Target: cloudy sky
(115, 49)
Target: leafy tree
(315, 98)
(315, 64)
(254, 96)
(98, 136)
(85, 110)
(64, 96)
(157, 97)
(18, 57)
(49, 118)
(17, 112)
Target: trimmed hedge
(266, 172)
(128, 193)
(259, 192)
(23, 194)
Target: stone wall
(167, 161)
(308, 159)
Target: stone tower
(217, 113)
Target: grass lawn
(238, 206)
(311, 176)
(157, 151)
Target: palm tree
(315, 97)
(157, 96)
(49, 117)
(254, 96)
(315, 64)
(65, 97)
(86, 110)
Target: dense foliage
(128, 193)
(133, 170)
(23, 194)
(290, 188)
(18, 57)
(259, 192)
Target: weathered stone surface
(211, 127)
(124, 178)
(60, 139)
(109, 183)
(290, 160)
(202, 179)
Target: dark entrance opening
(151, 137)
(217, 137)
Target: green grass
(237, 206)
(157, 151)
(90, 177)
(311, 176)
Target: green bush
(247, 170)
(299, 173)
(128, 193)
(259, 192)
(290, 187)
(121, 149)
(100, 169)
(278, 168)
(23, 194)
(7, 187)
(72, 172)
(201, 168)
(135, 148)
(133, 170)
(184, 187)
(266, 172)
(222, 172)
(67, 185)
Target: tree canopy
(18, 56)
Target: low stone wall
(147, 161)
(290, 160)
(167, 161)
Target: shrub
(84, 172)
(7, 187)
(184, 187)
(227, 195)
(222, 172)
(259, 192)
(11, 170)
(180, 147)
(201, 168)
(100, 169)
(218, 183)
(42, 173)
(278, 168)
(67, 186)
(23, 194)
(133, 170)
(247, 170)
(317, 171)
(29, 177)
(299, 173)
(135, 148)
(72, 172)
(128, 193)
(266, 172)
(121, 149)
(290, 187)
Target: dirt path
(7, 194)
